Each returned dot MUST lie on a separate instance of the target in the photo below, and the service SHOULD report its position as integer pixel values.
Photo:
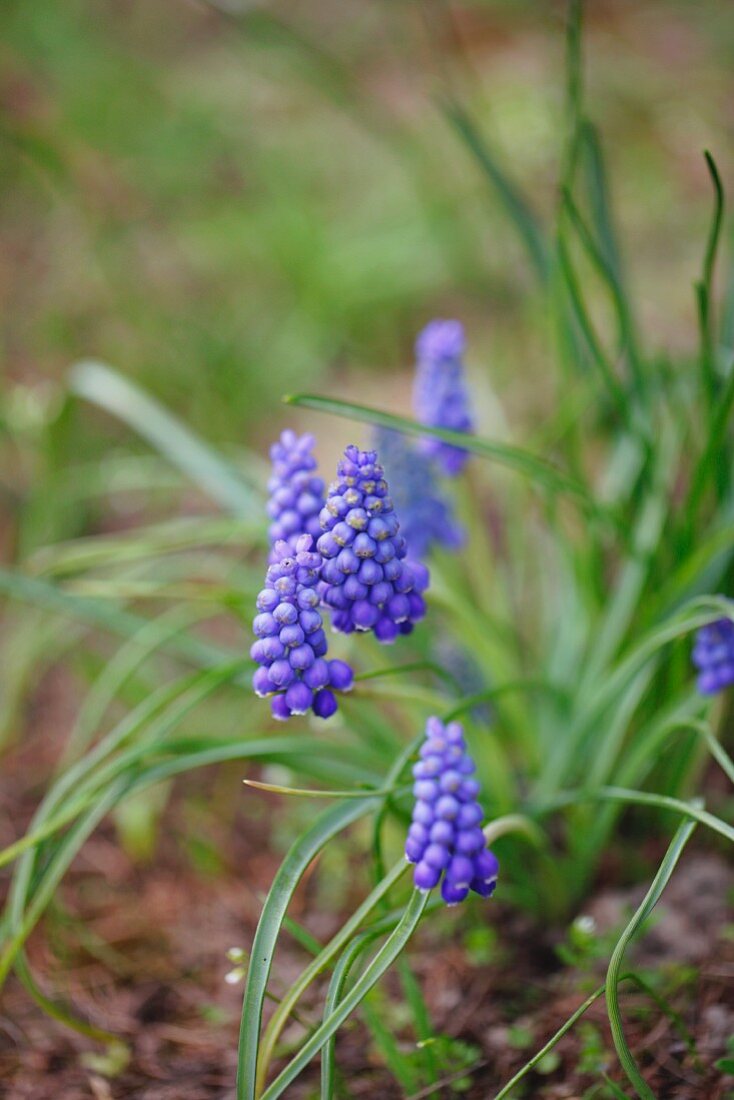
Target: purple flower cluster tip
(713, 656)
(296, 492)
(291, 644)
(440, 397)
(426, 518)
(445, 840)
(366, 580)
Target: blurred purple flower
(426, 518)
(713, 656)
(440, 397)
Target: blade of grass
(104, 614)
(553, 1041)
(536, 469)
(103, 386)
(515, 204)
(60, 1013)
(714, 458)
(421, 1017)
(333, 996)
(606, 370)
(627, 337)
(326, 826)
(80, 555)
(642, 798)
(319, 964)
(650, 900)
(401, 1068)
(569, 749)
(115, 674)
(21, 922)
(597, 188)
(704, 286)
(384, 958)
(565, 1028)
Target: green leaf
(650, 900)
(599, 356)
(515, 204)
(104, 387)
(705, 286)
(20, 923)
(333, 997)
(625, 321)
(642, 798)
(536, 469)
(597, 188)
(317, 965)
(567, 753)
(181, 533)
(371, 975)
(263, 947)
(105, 614)
(590, 1000)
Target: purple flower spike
(440, 398)
(296, 492)
(445, 841)
(425, 517)
(366, 580)
(291, 643)
(713, 656)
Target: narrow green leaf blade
(536, 469)
(98, 383)
(263, 948)
(650, 900)
(371, 975)
(515, 204)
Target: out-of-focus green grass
(227, 204)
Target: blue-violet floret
(291, 644)
(713, 656)
(296, 491)
(366, 580)
(440, 397)
(445, 840)
(426, 518)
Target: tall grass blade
(651, 899)
(704, 288)
(263, 947)
(371, 975)
(515, 204)
(98, 383)
(536, 469)
(105, 614)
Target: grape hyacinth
(367, 582)
(713, 656)
(440, 397)
(291, 644)
(425, 517)
(296, 492)
(445, 840)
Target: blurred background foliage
(229, 200)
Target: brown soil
(141, 951)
